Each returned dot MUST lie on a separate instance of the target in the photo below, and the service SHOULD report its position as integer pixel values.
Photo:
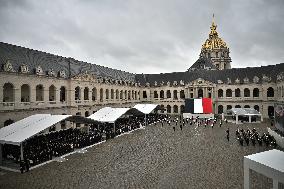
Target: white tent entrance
(243, 114)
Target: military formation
(253, 137)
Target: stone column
(33, 94)
(246, 175)
(17, 92)
(275, 184)
(1, 154)
(57, 95)
(45, 95)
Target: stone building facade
(34, 82)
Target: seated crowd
(44, 147)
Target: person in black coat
(22, 166)
(27, 165)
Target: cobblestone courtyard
(154, 157)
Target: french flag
(199, 106)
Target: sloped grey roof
(214, 75)
(202, 63)
(33, 58)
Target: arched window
(246, 106)
(162, 107)
(52, 93)
(77, 93)
(228, 93)
(175, 94)
(125, 95)
(162, 94)
(255, 92)
(182, 109)
(155, 94)
(237, 92)
(181, 94)
(39, 93)
(270, 92)
(175, 109)
(135, 95)
(116, 94)
(132, 95)
(246, 92)
(107, 94)
(8, 92)
(200, 93)
(8, 122)
(87, 114)
(25, 93)
(86, 93)
(112, 94)
(237, 106)
(256, 107)
(62, 94)
(121, 95)
(129, 95)
(220, 93)
(229, 107)
(220, 109)
(169, 95)
(101, 94)
(94, 94)
(270, 111)
(169, 109)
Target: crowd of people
(44, 147)
(253, 137)
(41, 148)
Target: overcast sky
(146, 36)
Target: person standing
(22, 166)
(228, 134)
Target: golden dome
(214, 41)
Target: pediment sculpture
(39, 70)
(246, 80)
(62, 74)
(8, 67)
(24, 68)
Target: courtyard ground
(154, 157)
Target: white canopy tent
(23, 132)
(269, 163)
(145, 109)
(17, 126)
(24, 129)
(244, 112)
(100, 114)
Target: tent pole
(249, 118)
(22, 152)
(1, 155)
(114, 127)
(237, 118)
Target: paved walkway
(154, 157)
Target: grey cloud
(145, 36)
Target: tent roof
(145, 108)
(21, 130)
(244, 111)
(110, 115)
